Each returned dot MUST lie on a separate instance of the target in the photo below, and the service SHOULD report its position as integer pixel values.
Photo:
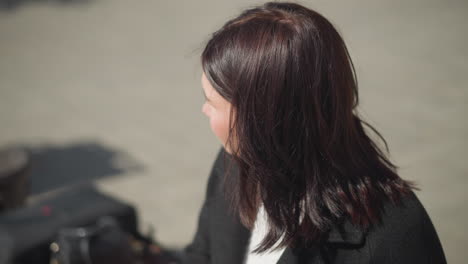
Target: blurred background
(109, 92)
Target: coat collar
(346, 233)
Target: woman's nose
(204, 109)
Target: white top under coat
(258, 233)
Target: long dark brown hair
(296, 137)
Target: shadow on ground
(56, 166)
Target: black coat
(405, 235)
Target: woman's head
(281, 67)
(287, 82)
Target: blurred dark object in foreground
(14, 180)
(11, 4)
(105, 242)
(28, 235)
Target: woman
(299, 179)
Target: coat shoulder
(405, 234)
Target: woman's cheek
(220, 128)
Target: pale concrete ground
(125, 75)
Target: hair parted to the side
(300, 146)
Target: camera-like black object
(26, 234)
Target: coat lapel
(232, 245)
(288, 257)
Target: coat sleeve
(198, 251)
